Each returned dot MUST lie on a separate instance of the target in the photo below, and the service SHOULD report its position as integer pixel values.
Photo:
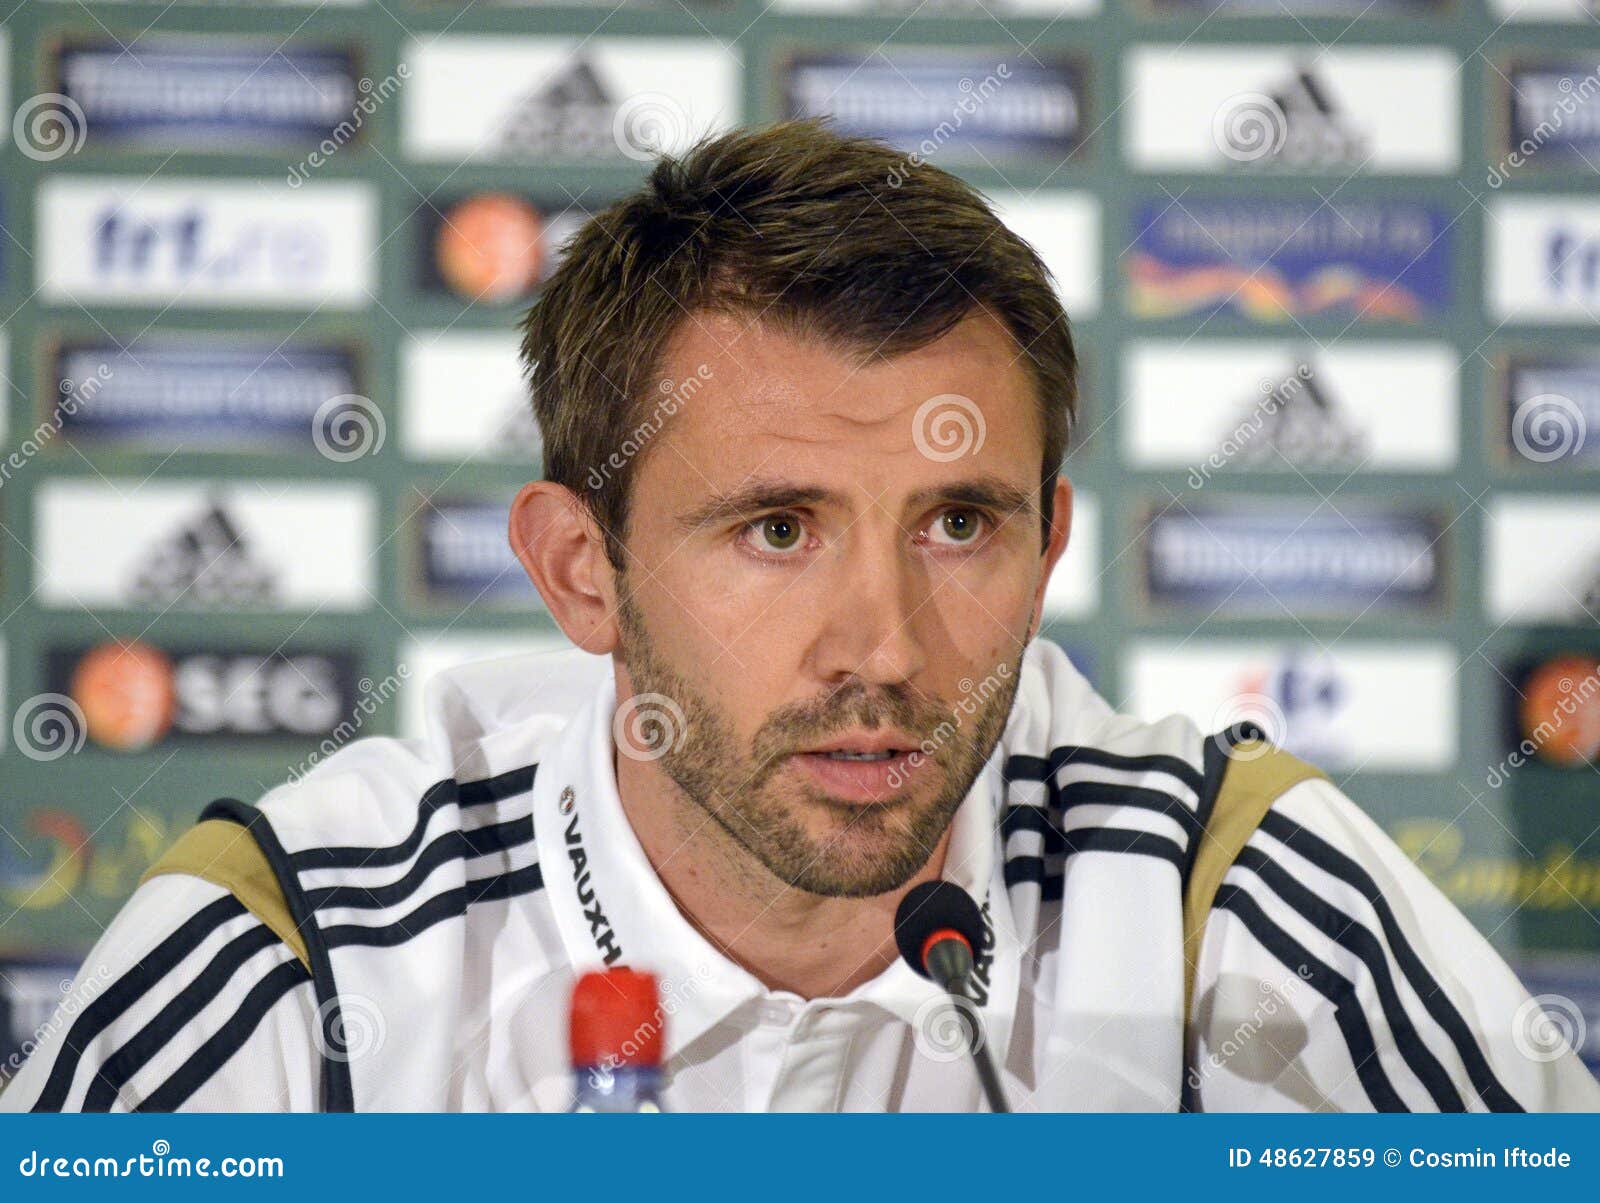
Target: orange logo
(127, 694)
(491, 247)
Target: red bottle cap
(617, 1019)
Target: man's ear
(561, 548)
(1060, 531)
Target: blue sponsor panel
(204, 393)
(1552, 112)
(1551, 408)
(466, 559)
(996, 106)
(227, 94)
(1272, 261)
(1234, 559)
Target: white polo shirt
(452, 887)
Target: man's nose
(873, 611)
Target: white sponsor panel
(429, 653)
(473, 97)
(1543, 10)
(1379, 707)
(463, 397)
(1199, 108)
(1379, 406)
(1543, 259)
(205, 242)
(1543, 560)
(259, 545)
(1064, 228)
(1074, 588)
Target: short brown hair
(835, 237)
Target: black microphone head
(926, 909)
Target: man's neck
(787, 938)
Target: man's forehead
(758, 387)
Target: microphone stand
(950, 963)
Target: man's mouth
(863, 766)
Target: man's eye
(957, 526)
(781, 532)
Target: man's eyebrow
(760, 496)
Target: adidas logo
(1299, 423)
(570, 114)
(1312, 132)
(204, 563)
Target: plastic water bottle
(617, 1034)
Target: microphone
(937, 926)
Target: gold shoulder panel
(1255, 776)
(225, 854)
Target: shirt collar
(609, 903)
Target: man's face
(832, 574)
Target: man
(803, 407)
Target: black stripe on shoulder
(449, 904)
(227, 1040)
(1107, 793)
(337, 1092)
(127, 990)
(499, 787)
(1022, 869)
(1437, 1003)
(171, 1019)
(1044, 768)
(1326, 981)
(451, 846)
(438, 795)
(1354, 938)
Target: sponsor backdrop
(1335, 271)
